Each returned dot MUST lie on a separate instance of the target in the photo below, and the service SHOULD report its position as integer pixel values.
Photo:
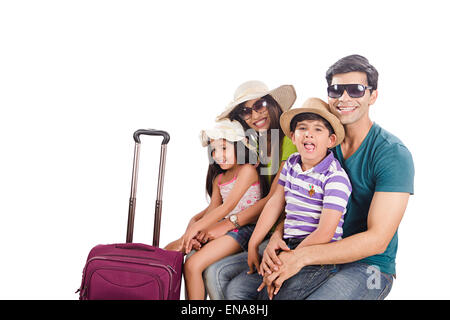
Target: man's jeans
(352, 281)
(355, 281)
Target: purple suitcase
(135, 271)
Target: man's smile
(345, 109)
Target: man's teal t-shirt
(382, 163)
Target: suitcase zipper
(146, 258)
(157, 278)
(134, 257)
(169, 269)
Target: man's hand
(288, 268)
(270, 260)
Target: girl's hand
(217, 230)
(253, 260)
(196, 245)
(201, 237)
(190, 233)
(270, 261)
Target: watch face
(233, 218)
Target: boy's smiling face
(312, 140)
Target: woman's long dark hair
(275, 112)
(214, 169)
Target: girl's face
(223, 153)
(259, 119)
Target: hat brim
(215, 134)
(284, 95)
(286, 118)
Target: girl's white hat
(284, 95)
(231, 131)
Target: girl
(232, 186)
(258, 108)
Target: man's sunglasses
(353, 90)
(259, 106)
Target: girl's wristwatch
(234, 220)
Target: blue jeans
(242, 235)
(352, 281)
(355, 281)
(218, 275)
(297, 287)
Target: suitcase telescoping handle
(158, 205)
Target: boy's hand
(253, 259)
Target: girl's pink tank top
(252, 195)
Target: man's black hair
(353, 63)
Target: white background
(78, 77)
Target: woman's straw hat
(284, 95)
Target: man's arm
(385, 213)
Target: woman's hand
(270, 261)
(176, 245)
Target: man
(381, 171)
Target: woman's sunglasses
(353, 90)
(259, 106)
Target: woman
(258, 109)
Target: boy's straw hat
(231, 131)
(284, 95)
(317, 106)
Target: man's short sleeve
(394, 170)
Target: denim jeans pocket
(314, 277)
(387, 285)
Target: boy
(313, 190)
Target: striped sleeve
(337, 190)
(283, 173)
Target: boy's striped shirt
(306, 192)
